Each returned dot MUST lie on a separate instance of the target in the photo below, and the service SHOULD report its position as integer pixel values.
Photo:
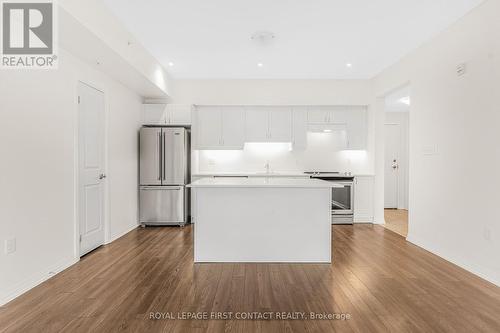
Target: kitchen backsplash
(322, 154)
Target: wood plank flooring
(396, 220)
(383, 282)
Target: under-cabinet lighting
(264, 148)
(221, 155)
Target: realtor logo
(28, 32)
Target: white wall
(95, 16)
(272, 92)
(282, 92)
(38, 151)
(454, 135)
(401, 119)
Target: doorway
(396, 160)
(91, 176)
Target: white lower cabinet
(363, 199)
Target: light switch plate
(10, 246)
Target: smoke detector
(263, 37)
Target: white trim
(123, 233)
(35, 279)
(460, 262)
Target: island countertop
(263, 182)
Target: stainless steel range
(342, 197)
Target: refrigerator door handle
(159, 155)
(163, 156)
(161, 188)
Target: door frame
(94, 85)
(379, 131)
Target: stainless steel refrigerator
(164, 172)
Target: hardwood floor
(380, 280)
(397, 220)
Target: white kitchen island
(262, 220)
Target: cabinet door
(257, 125)
(179, 114)
(280, 125)
(154, 114)
(357, 129)
(363, 199)
(318, 115)
(299, 128)
(233, 127)
(209, 128)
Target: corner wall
(454, 136)
(38, 151)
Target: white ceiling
(314, 38)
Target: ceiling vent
(263, 37)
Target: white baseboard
(34, 280)
(455, 260)
(122, 233)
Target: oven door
(343, 199)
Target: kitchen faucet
(267, 166)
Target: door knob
(102, 176)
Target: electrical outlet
(10, 246)
(461, 69)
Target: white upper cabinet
(219, 128)
(233, 124)
(350, 119)
(256, 124)
(280, 125)
(272, 124)
(178, 114)
(299, 128)
(318, 115)
(355, 119)
(208, 128)
(154, 114)
(229, 127)
(166, 114)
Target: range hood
(327, 128)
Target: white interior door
(392, 144)
(91, 167)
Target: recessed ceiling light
(260, 64)
(170, 64)
(348, 65)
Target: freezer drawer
(162, 205)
